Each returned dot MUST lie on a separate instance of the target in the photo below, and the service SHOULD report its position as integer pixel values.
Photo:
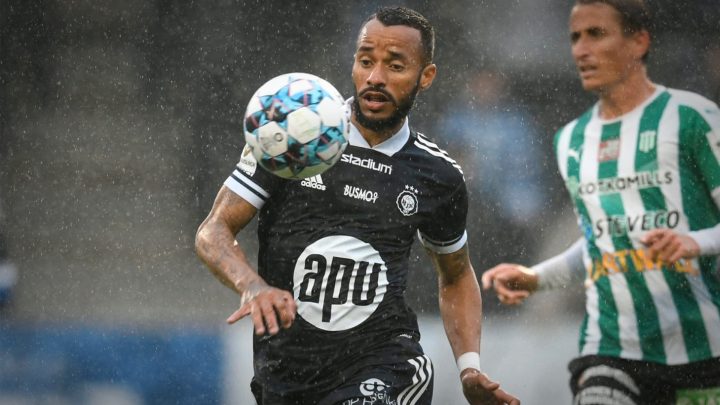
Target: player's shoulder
(692, 100)
(426, 152)
(567, 129)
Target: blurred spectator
(8, 271)
(496, 143)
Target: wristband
(468, 360)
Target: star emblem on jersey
(407, 201)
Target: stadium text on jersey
(368, 163)
(616, 184)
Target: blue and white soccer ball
(296, 125)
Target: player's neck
(374, 138)
(624, 97)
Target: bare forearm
(216, 246)
(461, 310)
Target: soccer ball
(296, 125)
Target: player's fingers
(487, 278)
(285, 311)
(267, 310)
(671, 243)
(239, 314)
(257, 319)
(651, 235)
(504, 397)
(677, 252)
(658, 244)
(517, 297)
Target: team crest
(407, 201)
(646, 143)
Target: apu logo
(407, 201)
(338, 282)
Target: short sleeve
(250, 182)
(445, 231)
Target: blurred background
(119, 121)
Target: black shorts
(610, 380)
(378, 378)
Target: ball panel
(296, 125)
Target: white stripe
(592, 333)
(421, 380)
(633, 207)
(589, 173)
(668, 159)
(627, 318)
(563, 146)
(444, 156)
(443, 249)
(668, 156)
(614, 373)
(244, 192)
(673, 339)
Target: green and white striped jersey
(654, 167)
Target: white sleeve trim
(560, 270)
(250, 191)
(443, 247)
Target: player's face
(388, 72)
(604, 56)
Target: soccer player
(641, 167)
(331, 324)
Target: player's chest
(366, 186)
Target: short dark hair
(634, 15)
(389, 16)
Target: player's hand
(269, 307)
(480, 390)
(512, 282)
(670, 246)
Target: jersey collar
(388, 147)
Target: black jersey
(340, 242)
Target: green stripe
(697, 199)
(609, 328)
(577, 139)
(583, 332)
(646, 150)
(701, 212)
(693, 327)
(648, 322)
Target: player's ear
(427, 76)
(641, 43)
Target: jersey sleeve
(251, 182)
(705, 144)
(445, 232)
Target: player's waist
(634, 260)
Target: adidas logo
(314, 182)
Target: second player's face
(603, 55)
(387, 73)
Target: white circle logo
(372, 386)
(338, 282)
(407, 203)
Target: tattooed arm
(270, 308)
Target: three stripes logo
(646, 142)
(314, 182)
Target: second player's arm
(461, 311)
(215, 244)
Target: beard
(402, 109)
